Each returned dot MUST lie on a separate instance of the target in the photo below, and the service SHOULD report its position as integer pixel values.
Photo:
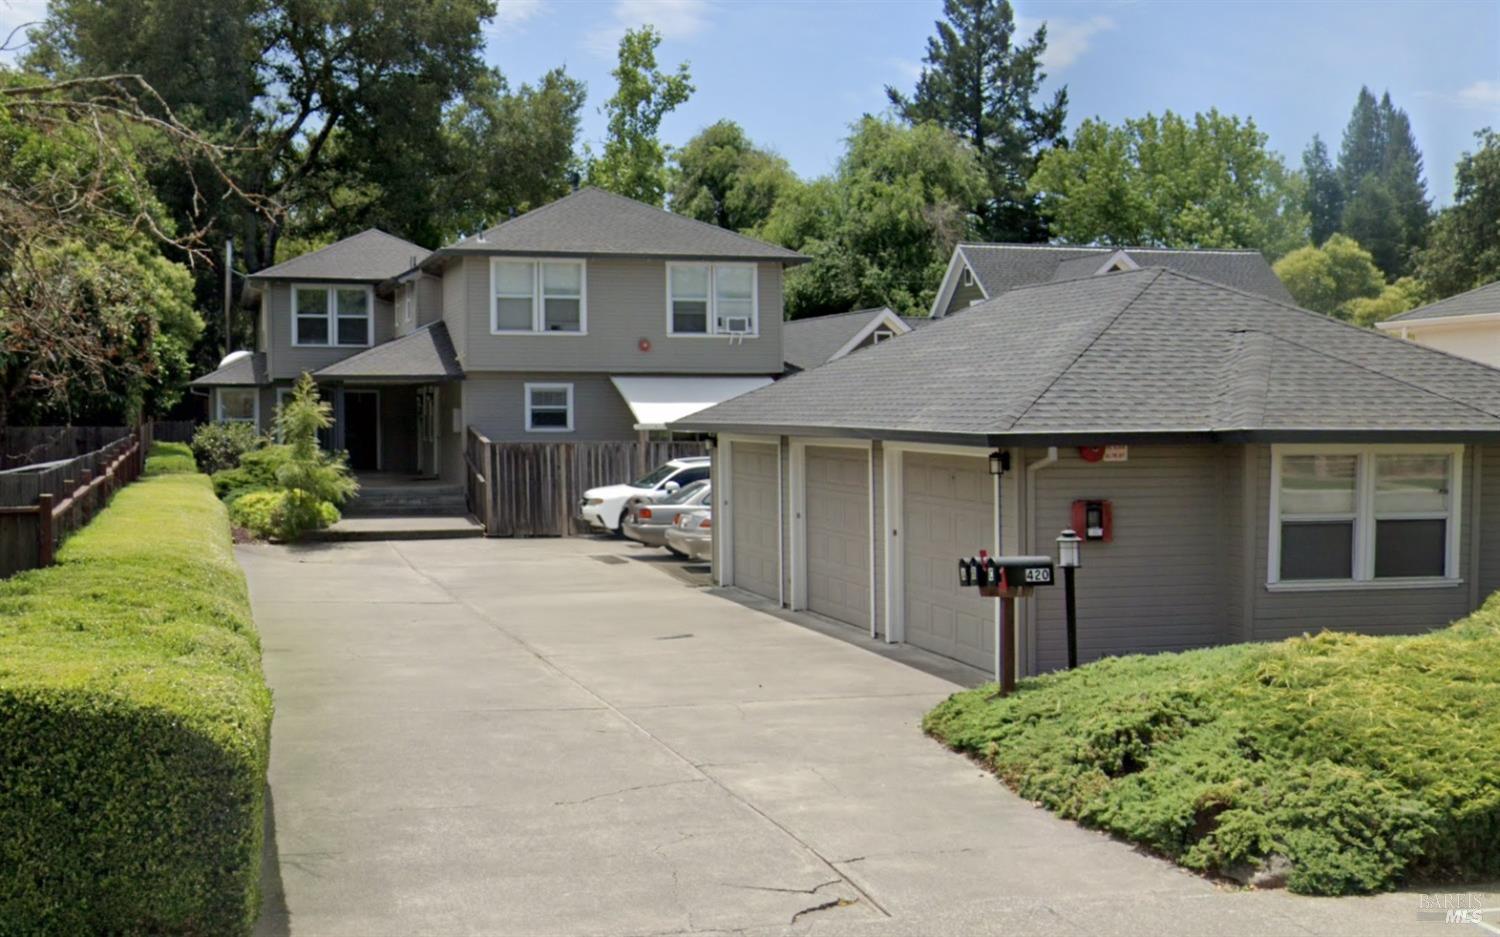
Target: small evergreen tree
(314, 481)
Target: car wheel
(619, 529)
(676, 552)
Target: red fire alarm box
(1094, 520)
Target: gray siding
(450, 443)
(429, 299)
(1488, 531)
(285, 361)
(963, 296)
(1160, 585)
(877, 530)
(1369, 611)
(627, 302)
(495, 405)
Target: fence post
(44, 530)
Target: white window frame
(881, 335)
(713, 300)
(330, 294)
(1365, 518)
(219, 416)
(538, 297)
(409, 304)
(530, 388)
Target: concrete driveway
(557, 737)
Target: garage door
(838, 534)
(753, 507)
(947, 503)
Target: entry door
(362, 429)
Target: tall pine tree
(979, 83)
(1386, 208)
(1324, 198)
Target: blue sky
(795, 74)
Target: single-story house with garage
(1257, 470)
(1467, 325)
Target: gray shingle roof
(242, 372)
(1149, 353)
(370, 255)
(1002, 267)
(424, 355)
(1484, 300)
(811, 342)
(592, 222)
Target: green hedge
(1364, 762)
(134, 725)
(170, 458)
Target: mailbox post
(1005, 578)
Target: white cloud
(1067, 39)
(1481, 95)
(909, 70)
(674, 19)
(512, 13)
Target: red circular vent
(1091, 453)
(644, 344)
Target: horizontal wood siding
(495, 405)
(1368, 611)
(533, 489)
(627, 302)
(1161, 584)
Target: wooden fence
(29, 445)
(40, 506)
(532, 489)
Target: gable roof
(1481, 301)
(593, 222)
(425, 354)
(998, 268)
(811, 342)
(1149, 353)
(247, 369)
(369, 256)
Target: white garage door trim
(895, 513)
(724, 511)
(799, 515)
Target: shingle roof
(370, 255)
(1002, 267)
(811, 342)
(426, 355)
(1149, 352)
(592, 222)
(1484, 300)
(244, 371)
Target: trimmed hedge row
(134, 724)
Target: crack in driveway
(626, 790)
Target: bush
(170, 458)
(280, 515)
(256, 472)
(1364, 761)
(220, 446)
(134, 726)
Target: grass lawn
(1364, 761)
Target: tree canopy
(1172, 182)
(634, 161)
(1463, 249)
(880, 230)
(980, 84)
(721, 177)
(1382, 200)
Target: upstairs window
(712, 299)
(331, 315)
(532, 296)
(1356, 514)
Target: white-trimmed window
(549, 408)
(1364, 514)
(238, 405)
(332, 315)
(712, 299)
(409, 304)
(530, 296)
(881, 335)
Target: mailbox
(1006, 576)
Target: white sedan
(603, 508)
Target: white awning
(657, 401)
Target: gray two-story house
(593, 318)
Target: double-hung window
(549, 408)
(538, 296)
(711, 299)
(331, 315)
(1352, 514)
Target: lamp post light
(1070, 557)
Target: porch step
(400, 528)
(421, 499)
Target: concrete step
(412, 500)
(400, 528)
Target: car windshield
(686, 493)
(654, 478)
